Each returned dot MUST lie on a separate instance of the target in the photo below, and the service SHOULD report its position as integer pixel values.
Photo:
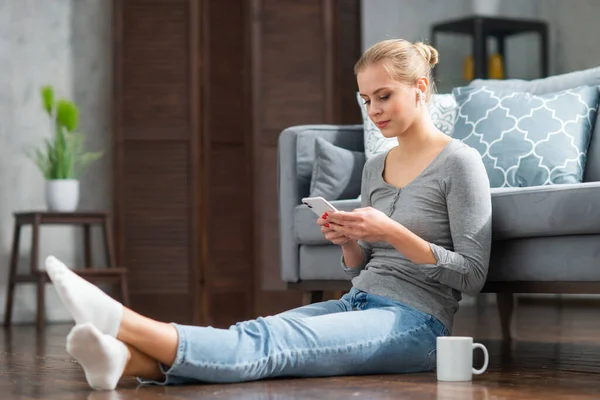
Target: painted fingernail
(326, 225)
(324, 216)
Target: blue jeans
(357, 334)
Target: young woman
(421, 238)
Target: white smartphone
(318, 205)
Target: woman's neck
(421, 135)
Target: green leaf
(84, 160)
(47, 93)
(62, 156)
(59, 146)
(40, 159)
(67, 115)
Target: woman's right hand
(331, 235)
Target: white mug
(455, 358)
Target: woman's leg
(381, 336)
(144, 333)
(105, 359)
(321, 308)
(141, 365)
(88, 304)
(102, 357)
(156, 339)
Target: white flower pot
(62, 195)
(486, 8)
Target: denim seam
(428, 364)
(422, 326)
(180, 355)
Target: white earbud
(420, 97)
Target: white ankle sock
(85, 301)
(102, 357)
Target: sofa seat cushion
(546, 259)
(553, 210)
(305, 222)
(321, 263)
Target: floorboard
(556, 356)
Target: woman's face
(392, 105)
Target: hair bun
(428, 52)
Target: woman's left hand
(367, 224)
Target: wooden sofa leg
(506, 305)
(314, 296)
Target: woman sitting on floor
(421, 237)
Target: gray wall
(65, 43)
(412, 20)
(574, 33)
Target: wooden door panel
(155, 131)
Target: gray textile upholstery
(549, 212)
(336, 171)
(569, 258)
(316, 262)
(295, 157)
(556, 210)
(570, 209)
(540, 234)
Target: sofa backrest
(556, 83)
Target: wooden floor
(556, 356)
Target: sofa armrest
(295, 158)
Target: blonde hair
(403, 60)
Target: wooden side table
(111, 273)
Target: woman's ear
(423, 85)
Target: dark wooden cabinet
(202, 90)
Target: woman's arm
(354, 255)
(357, 254)
(469, 207)
(469, 204)
(409, 245)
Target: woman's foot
(85, 301)
(102, 357)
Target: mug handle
(486, 359)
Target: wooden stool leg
(87, 245)
(14, 261)
(314, 296)
(124, 290)
(109, 244)
(506, 306)
(41, 276)
(41, 300)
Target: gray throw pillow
(337, 172)
(525, 139)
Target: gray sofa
(545, 239)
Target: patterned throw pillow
(525, 139)
(442, 108)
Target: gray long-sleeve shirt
(449, 206)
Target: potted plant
(62, 159)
